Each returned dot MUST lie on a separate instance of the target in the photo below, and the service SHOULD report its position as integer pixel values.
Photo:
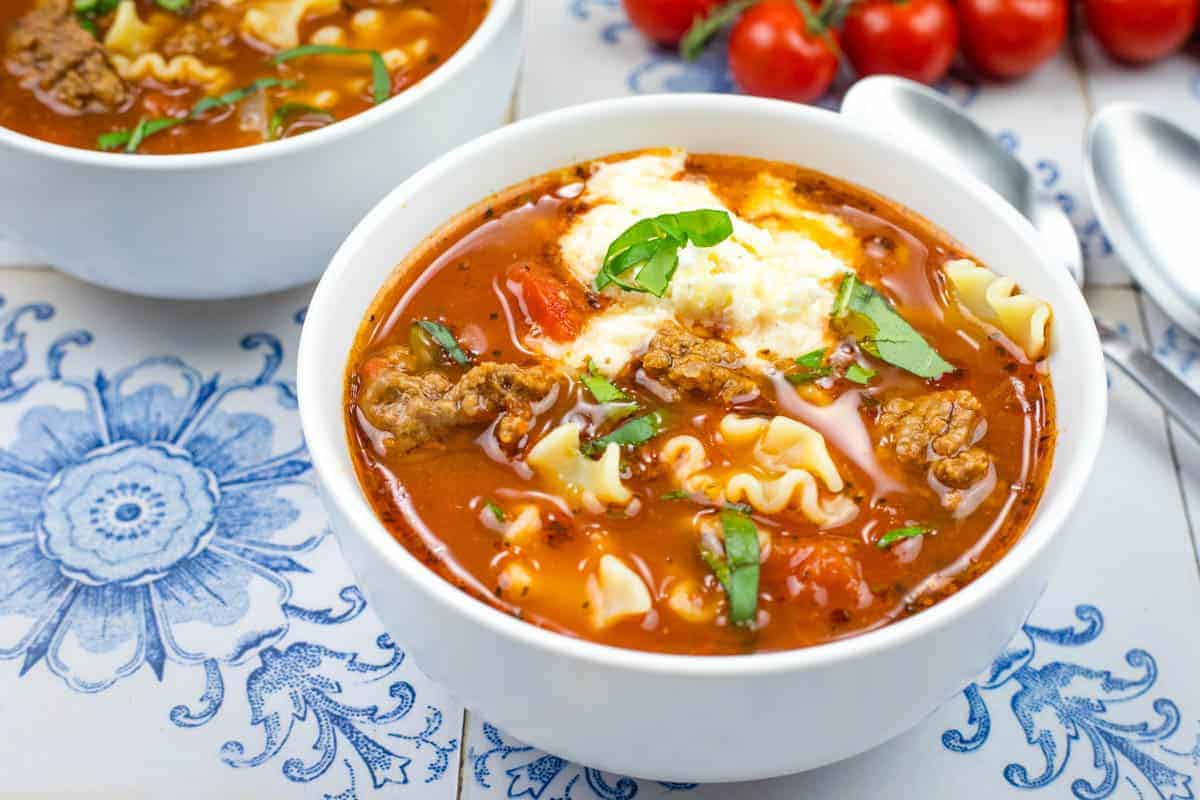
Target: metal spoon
(925, 120)
(1143, 174)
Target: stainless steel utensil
(1143, 174)
(927, 121)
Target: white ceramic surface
(698, 719)
(255, 219)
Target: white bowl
(253, 219)
(688, 718)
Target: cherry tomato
(915, 39)
(1011, 38)
(547, 302)
(775, 50)
(1141, 30)
(666, 21)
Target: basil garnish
(893, 536)
(86, 12)
(381, 81)
(445, 340)
(652, 245)
(280, 116)
(636, 431)
(132, 139)
(604, 390)
(811, 368)
(496, 511)
(738, 571)
(857, 373)
(863, 313)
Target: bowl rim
(326, 437)
(499, 13)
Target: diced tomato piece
(370, 369)
(546, 301)
(823, 571)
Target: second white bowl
(253, 219)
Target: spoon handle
(1175, 396)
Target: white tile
(1181, 353)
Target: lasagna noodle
(183, 69)
(997, 301)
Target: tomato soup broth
(927, 481)
(207, 75)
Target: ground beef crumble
(690, 363)
(416, 408)
(64, 63)
(938, 430)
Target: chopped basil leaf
(738, 571)
(718, 565)
(810, 368)
(705, 227)
(178, 6)
(859, 374)
(675, 494)
(863, 313)
(86, 12)
(237, 95)
(812, 359)
(636, 431)
(280, 116)
(658, 271)
(705, 28)
(604, 390)
(893, 536)
(445, 340)
(381, 81)
(132, 139)
(496, 510)
(652, 245)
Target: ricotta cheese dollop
(767, 290)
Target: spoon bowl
(1144, 179)
(923, 119)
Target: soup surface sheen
(185, 76)
(830, 418)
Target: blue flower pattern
(156, 516)
(532, 773)
(149, 518)
(1058, 704)
(308, 681)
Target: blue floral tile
(166, 566)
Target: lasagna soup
(184, 76)
(701, 404)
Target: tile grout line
(1172, 450)
(462, 753)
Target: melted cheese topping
(769, 291)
